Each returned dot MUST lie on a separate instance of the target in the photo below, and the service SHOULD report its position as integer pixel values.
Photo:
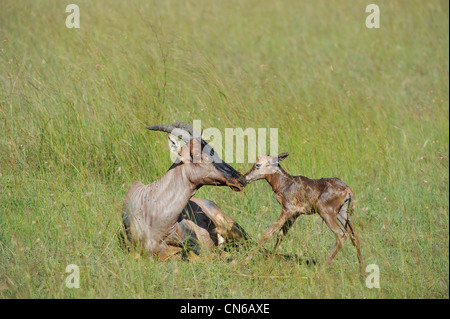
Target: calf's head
(264, 166)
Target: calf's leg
(280, 221)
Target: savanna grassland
(369, 106)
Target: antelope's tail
(346, 210)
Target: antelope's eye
(257, 166)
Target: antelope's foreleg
(283, 231)
(280, 221)
(181, 235)
(168, 252)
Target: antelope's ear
(174, 145)
(282, 156)
(276, 159)
(175, 149)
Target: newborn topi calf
(331, 198)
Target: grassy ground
(367, 105)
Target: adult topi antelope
(329, 197)
(151, 212)
(211, 226)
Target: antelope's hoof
(311, 261)
(193, 257)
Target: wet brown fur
(331, 198)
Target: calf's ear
(276, 159)
(282, 156)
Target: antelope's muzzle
(236, 184)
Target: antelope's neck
(192, 176)
(278, 180)
(176, 185)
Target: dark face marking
(225, 169)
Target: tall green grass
(367, 105)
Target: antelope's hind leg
(355, 243)
(343, 218)
(330, 218)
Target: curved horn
(161, 127)
(187, 127)
(178, 132)
(183, 125)
(205, 146)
